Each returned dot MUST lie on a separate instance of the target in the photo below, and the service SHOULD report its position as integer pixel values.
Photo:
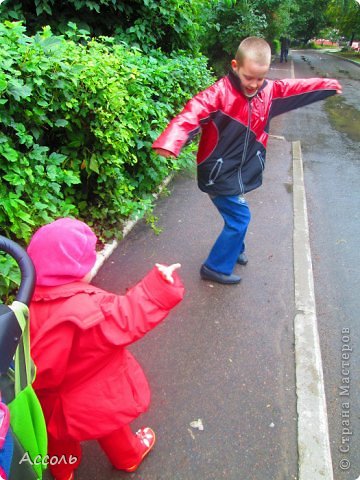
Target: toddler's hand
(166, 272)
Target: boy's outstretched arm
(164, 153)
(186, 124)
(289, 94)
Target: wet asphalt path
(225, 355)
(330, 136)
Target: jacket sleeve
(186, 125)
(290, 94)
(129, 317)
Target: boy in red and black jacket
(233, 116)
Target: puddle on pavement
(344, 117)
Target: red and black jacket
(235, 129)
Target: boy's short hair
(255, 48)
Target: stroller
(23, 438)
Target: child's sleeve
(131, 316)
(186, 125)
(289, 94)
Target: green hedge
(78, 117)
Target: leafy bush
(32, 171)
(77, 123)
(312, 45)
(229, 22)
(276, 46)
(168, 24)
(9, 278)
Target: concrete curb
(105, 253)
(313, 434)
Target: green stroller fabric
(26, 416)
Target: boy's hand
(164, 153)
(339, 88)
(166, 272)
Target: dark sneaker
(242, 259)
(208, 274)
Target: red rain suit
(88, 384)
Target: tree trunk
(352, 39)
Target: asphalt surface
(226, 353)
(331, 157)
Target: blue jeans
(230, 243)
(284, 55)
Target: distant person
(89, 385)
(284, 52)
(233, 116)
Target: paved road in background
(225, 355)
(330, 136)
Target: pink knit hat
(62, 251)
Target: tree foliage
(229, 22)
(309, 20)
(167, 24)
(344, 15)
